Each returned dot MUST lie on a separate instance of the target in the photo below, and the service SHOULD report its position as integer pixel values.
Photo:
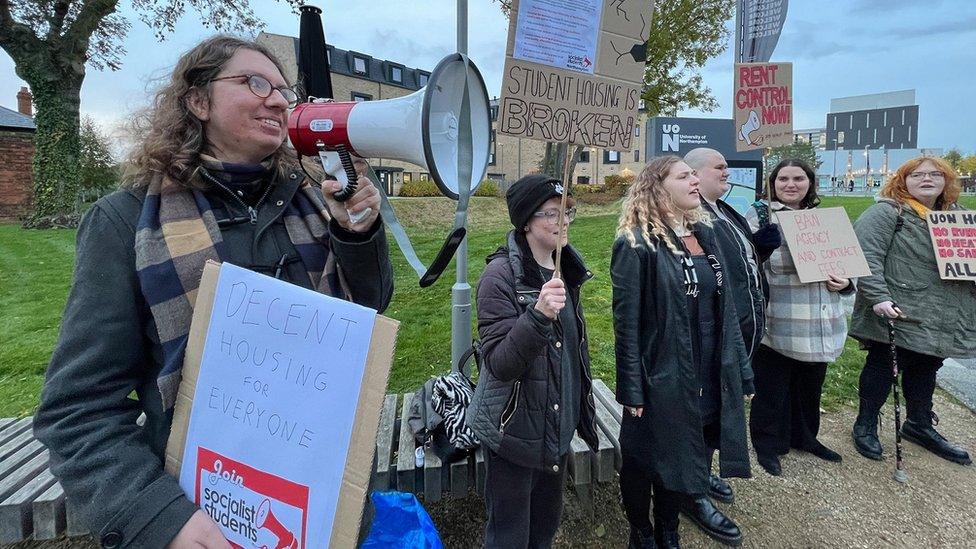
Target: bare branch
(92, 13)
(17, 39)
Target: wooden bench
(33, 504)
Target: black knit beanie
(526, 195)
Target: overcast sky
(870, 46)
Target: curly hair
(649, 207)
(897, 188)
(811, 199)
(172, 137)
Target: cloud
(876, 7)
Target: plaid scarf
(177, 233)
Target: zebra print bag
(437, 413)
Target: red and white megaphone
(267, 520)
(421, 128)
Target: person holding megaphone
(535, 389)
(209, 179)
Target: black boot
(925, 435)
(641, 538)
(667, 539)
(719, 490)
(770, 464)
(865, 432)
(711, 521)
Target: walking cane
(900, 475)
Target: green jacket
(904, 270)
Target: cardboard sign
(954, 239)
(276, 418)
(821, 242)
(763, 105)
(574, 71)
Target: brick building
(17, 151)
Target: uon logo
(669, 137)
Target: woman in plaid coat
(805, 329)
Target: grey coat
(904, 270)
(102, 375)
(515, 407)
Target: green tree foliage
(52, 42)
(799, 149)
(98, 172)
(953, 157)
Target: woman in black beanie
(534, 391)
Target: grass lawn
(36, 267)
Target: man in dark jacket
(535, 390)
(744, 253)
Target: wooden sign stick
(567, 181)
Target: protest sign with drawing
(276, 419)
(821, 242)
(953, 236)
(763, 105)
(574, 71)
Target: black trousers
(786, 409)
(918, 380)
(524, 506)
(637, 487)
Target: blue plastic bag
(400, 521)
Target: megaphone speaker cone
(422, 128)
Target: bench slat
(608, 425)
(433, 473)
(579, 455)
(16, 438)
(603, 459)
(73, 524)
(459, 478)
(16, 521)
(21, 475)
(405, 474)
(604, 393)
(49, 512)
(9, 465)
(384, 442)
(15, 427)
(5, 421)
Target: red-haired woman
(938, 317)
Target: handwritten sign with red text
(821, 242)
(763, 105)
(954, 239)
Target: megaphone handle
(333, 164)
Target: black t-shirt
(705, 327)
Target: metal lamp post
(461, 291)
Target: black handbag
(436, 415)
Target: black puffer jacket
(514, 409)
(655, 368)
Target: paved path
(958, 377)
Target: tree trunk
(55, 79)
(57, 151)
(555, 158)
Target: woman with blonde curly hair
(211, 179)
(933, 318)
(682, 368)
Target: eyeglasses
(932, 175)
(552, 216)
(260, 87)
